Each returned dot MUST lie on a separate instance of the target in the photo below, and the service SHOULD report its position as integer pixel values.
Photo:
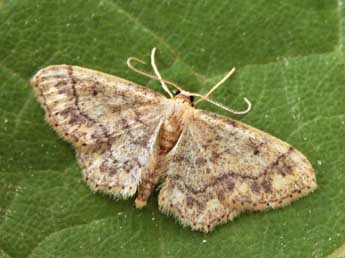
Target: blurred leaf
(290, 64)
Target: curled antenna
(249, 105)
(205, 97)
(130, 65)
(164, 83)
(231, 72)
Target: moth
(128, 138)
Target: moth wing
(116, 167)
(112, 123)
(221, 167)
(86, 106)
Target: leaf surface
(289, 57)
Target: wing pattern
(220, 167)
(112, 123)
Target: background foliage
(289, 57)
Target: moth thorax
(184, 98)
(171, 129)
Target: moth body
(170, 131)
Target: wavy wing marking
(221, 167)
(113, 123)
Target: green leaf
(289, 57)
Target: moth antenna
(249, 105)
(164, 83)
(130, 65)
(231, 72)
(164, 86)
